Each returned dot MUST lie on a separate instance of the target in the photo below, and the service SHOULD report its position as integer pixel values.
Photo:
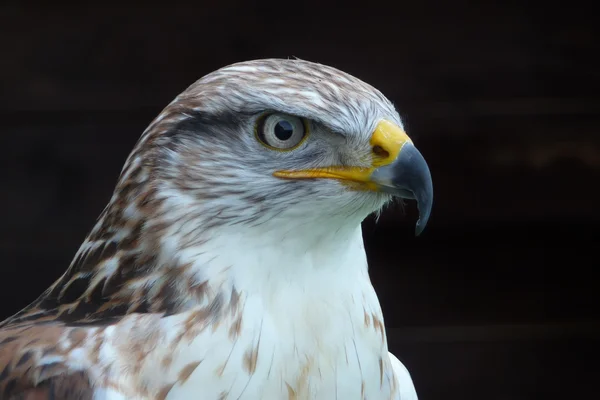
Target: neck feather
(168, 263)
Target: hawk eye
(281, 131)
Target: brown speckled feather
(22, 376)
(85, 296)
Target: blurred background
(498, 299)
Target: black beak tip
(424, 204)
(419, 228)
(421, 222)
(409, 177)
(418, 179)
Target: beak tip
(424, 203)
(419, 228)
(421, 223)
(419, 180)
(409, 177)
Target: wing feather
(32, 365)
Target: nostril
(380, 152)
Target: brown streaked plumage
(206, 274)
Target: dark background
(497, 300)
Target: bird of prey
(229, 262)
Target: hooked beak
(398, 168)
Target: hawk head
(275, 141)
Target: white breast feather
(311, 328)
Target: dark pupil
(284, 130)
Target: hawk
(229, 262)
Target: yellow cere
(389, 137)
